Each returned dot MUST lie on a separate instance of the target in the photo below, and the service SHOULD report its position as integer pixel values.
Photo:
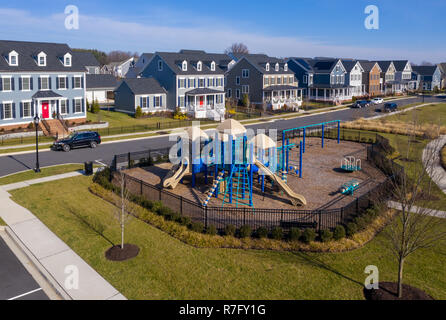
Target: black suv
(389, 107)
(362, 104)
(78, 140)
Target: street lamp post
(36, 124)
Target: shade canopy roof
(195, 133)
(231, 127)
(262, 141)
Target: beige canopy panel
(195, 133)
(262, 141)
(232, 127)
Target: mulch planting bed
(115, 253)
(322, 178)
(388, 291)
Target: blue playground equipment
(351, 164)
(350, 187)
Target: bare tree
(118, 56)
(426, 63)
(123, 213)
(416, 226)
(237, 48)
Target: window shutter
(1, 84)
(12, 83)
(32, 108)
(21, 109)
(82, 82)
(66, 83)
(13, 110)
(1, 110)
(20, 83)
(140, 102)
(74, 105)
(49, 83)
(39, 83)
(57, 83)
(161, 101)
(83, 105)
(72, 82)
(31, 83)
(154, 102)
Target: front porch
(47, 105)
(276, 97)
(205, 103)
(331, 94)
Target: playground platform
(320, 185)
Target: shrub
(361, 222)
(246, 101)
(95, 108)
(230, 230)
(308, 235)
(295, 234)
(351, 229)
(197, 227)
(326, 235)
(277, 233)
(211, 230)
(245, 231)
(262, 232)
(185, 221)
(138, 112)
(339, 233)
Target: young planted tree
(123, 213)
(416, 226)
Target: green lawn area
(169, 269)
(45, 172)
(433, 114)
(2, 223)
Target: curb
(43, 272)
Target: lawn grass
(120, 119)
(432, 114)
(2, 223)
(169, 269)
(45, 172)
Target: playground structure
(351, 164)
(350, 187)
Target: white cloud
(108, 34)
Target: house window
(160, 65)
(182, 83)
(213, 66)
(77, 105)
(7, 84)
(237, 93)
(245, 73)
(229, 93)
(273, 81)
(285, 80)
(191, 83)
(68, 62)
(305, 78)
(266, 81)
(62, 82)
(201, 83)
(144, 103)
(26, 109)
(237, 80)
(7, 110)
(157, 102)
(13, 59)
(285, 67)
(184, 66)
(77, 83)
(245, 89)
(199, 66)
(181, 101)
(267, 67)
(44, 83)
(219, 98)
(277, 67)
(26, 83)
(41, 59)
(279, 80)
(63, 107)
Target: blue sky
(408, 29)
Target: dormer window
(41, 59)
(199, 66)
(285, 67)
(13, 59)
(213, 66)
(184, 66)
(267, 67)
(67, 60)
(277, 67)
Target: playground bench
(296, 224)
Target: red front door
(45, 110)
(201, 101)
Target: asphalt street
(105, 152)
(15, 281)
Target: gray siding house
(100, 87)
(266, 80)
(194, 81)
(141, 92)
(427, 77)
(44, 79)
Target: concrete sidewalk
(415, 209)
(54, 259)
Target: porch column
(195, 103)
(317, 93)
(325, 94)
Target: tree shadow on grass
(313, 261)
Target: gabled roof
(442, 67)
(324, 65)
(305, 63)
(424, 70)
(143, 86)
(175, 60)
(101, 81)
(260, 61)
(349, 64)
(400, 64)
(27, 57)
(368, 65)
(86, 58)
(384, 65)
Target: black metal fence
(254, 217)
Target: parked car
(377, 100)
(390, 107)
(361, 104)
(78, 140)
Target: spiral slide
(171, 181)
(295, 198)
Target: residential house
(371, 78)
(118, 69)
(387, 76)
(442, 67)
(325, 79)
(139, 66)
(89, 60)
(266, 80)
(396, 76)
(194, 81)
(140, 92)
(100, 87)
(353, 78)
(428, 77)
(43, 79)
